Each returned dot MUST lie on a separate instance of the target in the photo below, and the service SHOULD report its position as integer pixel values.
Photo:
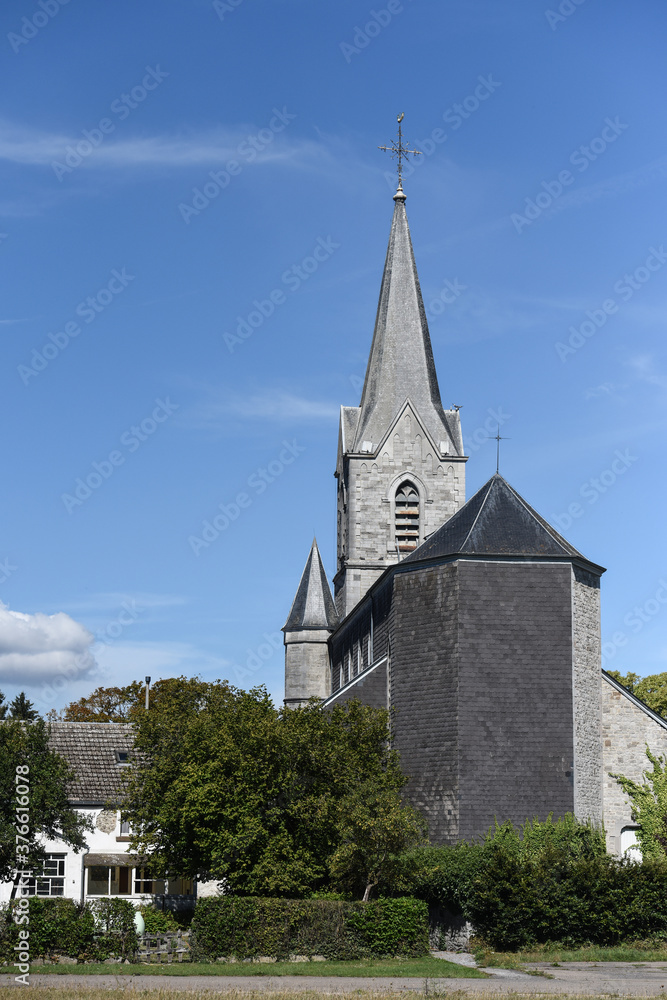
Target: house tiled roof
(91, 750)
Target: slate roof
(313, 605)
(497, 521)
(401, 363)
(90, 748)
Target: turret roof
(313, 605)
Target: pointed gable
(313, 606)
(401, 363)
(497, 521)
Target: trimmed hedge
(247, 927)
(95, 931)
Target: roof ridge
(487, 485)
(563, 542)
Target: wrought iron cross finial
(399, 151)
(498, 439)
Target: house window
(122, 756)
(51, 880)
(143, 883)
(124, 828)
(109, 880)
(407, 517)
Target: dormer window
(407, 517)
(122, 756)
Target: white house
(98, 752)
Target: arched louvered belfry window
(407, 512)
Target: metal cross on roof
(498, 439)
(399, 151)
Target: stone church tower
(400, 467)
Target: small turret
(310, 623)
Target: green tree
(652, 690)
(374, 828)
(649, 806)
(23, 708)
(226, 786)
(3, 706)
(107, 704)
(48, 815)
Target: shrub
(247, 927)
(158, 921)
(94, 931)
(544, 882)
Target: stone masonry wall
(586, 696)
(366, 543)
(626, 730)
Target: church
(474, 620)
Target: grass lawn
(420, 968)
(556, 955)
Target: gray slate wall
(424, 692)
(515, 692)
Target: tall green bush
(548, 881)
(247, 927)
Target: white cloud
(214, 413)
(39, 647)
(209, 148)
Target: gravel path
(643, 979)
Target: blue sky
(167, 169)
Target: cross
(498, 439)
(399, 151)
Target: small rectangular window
(122, 756)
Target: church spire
(401, 365)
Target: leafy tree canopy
(226, 786)
(48, 813)
(652, 690)
(649, 806)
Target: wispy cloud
(214, 413)
(31, 147)
(111, 601)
